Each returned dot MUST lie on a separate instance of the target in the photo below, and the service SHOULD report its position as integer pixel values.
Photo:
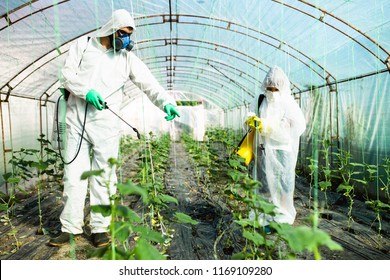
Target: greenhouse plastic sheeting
(336, 54)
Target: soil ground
(215, 237)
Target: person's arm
(141, 76)
(251, 112)
(287, 128)
(276, 129)
(70, 80)
(298, 121)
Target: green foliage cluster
(241, 192)
(144, 235)
(344, 175)
(27, 164)
(147, 235)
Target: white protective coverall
(276, 147)
(106, 72)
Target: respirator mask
(272, 95)
(123, 41)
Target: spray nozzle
(103, 104)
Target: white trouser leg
(75, 190)
(101, 190)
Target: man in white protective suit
(94, 73)
(279, 122)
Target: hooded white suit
(106, 72)
(283, 123)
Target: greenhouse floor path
(202, 241)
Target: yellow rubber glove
(254, 122)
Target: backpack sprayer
(60, 125)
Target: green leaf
(122, 231)
(105, 253)
(377, 205)
(167, 198)
(357, 164)
(145, 251)
(234, 163)
(361, 181)
(148, 234)
(324, 185)
(88, 174)
(305, 238)
(3, 207)
(239, 256)
(13, 180)
(131, 188)
(248, 223)
(113, 161)
(41, 165)
(120, 254)
(371, 171)
(7, 175)
(126, 212)
(50, 151)
(265, 207)
(98, 252)
(235, 175)
(105, 210)
(343, 187)
(185, 219)
(255, 237)
(383, 205)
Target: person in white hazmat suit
(279, 122)
(94, 73)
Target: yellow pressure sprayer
(245, 147)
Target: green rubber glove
(171, 112)
(94, 98)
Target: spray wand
(134, 129)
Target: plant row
(240, 194)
